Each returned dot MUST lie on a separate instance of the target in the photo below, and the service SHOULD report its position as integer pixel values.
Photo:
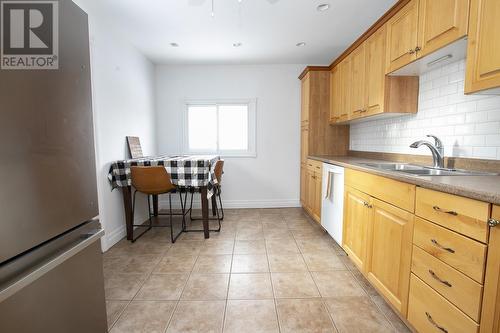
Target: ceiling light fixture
(300, 44)
(323, 7)
(237, 44)
(174, 44)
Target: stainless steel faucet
(437, 150)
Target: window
(221, 127)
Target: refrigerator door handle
(48, 266)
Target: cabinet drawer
(463, 215)
(429, 312)
(459, 289)
(462, 253)
(314, 165)
(399, 194)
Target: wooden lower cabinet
(356, 219)
(310, 182)
(490, 317)
(388, 258)
(303, 179)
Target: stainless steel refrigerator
(51, 275)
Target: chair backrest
(134, 147)
(219, 170)
(151, 179)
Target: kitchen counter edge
(482, 188)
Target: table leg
(204, 211)
(127, 205)
(155, 204)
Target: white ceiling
(267, 31)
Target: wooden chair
(134, 147)
(153, 180)
(218, 171)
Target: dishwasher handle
(329, 184)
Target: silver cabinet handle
(434, 275)
(436, 243)
(366, 204)
(431, 320)
(411, 51)
(418, 49)
(451, 212)
(493, 223)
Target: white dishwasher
(332, 207)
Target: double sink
(418, 170)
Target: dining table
(187, 172)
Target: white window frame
(252, 127)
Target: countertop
(483, 188)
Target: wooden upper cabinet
(356, 219)
(345, 88)
(357, 87)
(305, 99)
(335, 95)
(440, 23)
(402, 32)
(375, 72)
(388, 260)
(483, 52)
(490, 317)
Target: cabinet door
(305, 98)
(303, 188)
(317, 192)
(402, 37)
(304, 144)
(388, 260)
(357, 87)
(440, 23)
(345, 88)
(483, 51)
(490, 317)
(335, 95)
(311, 189)
(375, 71)
(356, 219)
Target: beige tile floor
(269, 270)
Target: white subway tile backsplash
(469, 125)
(476, 117)
(488, 128)
(485, 152)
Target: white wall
(123, 103)
(468, 125)
(272, 178)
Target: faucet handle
(438, 142)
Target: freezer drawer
(59, 288)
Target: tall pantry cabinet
(317, 136)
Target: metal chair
(153, 180)
(219, 171)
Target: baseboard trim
(113, 237)
(163, 203)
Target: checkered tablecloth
(185, 171)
